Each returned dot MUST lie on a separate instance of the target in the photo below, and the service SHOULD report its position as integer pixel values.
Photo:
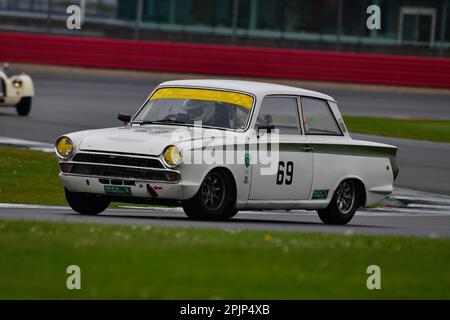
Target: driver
(195, 110)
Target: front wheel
(343, 205)
(24, 106)
(214, 200)
(86, 203)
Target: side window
(318, 118)
(281, 112)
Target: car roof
(258, 89)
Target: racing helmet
(194, 108)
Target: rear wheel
(214, 200)
(343, 205)
(24, 106)
(86, 203)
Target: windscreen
(189, 106)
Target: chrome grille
(122, 172)
(118, 160)
(118, 166)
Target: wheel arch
(195, 207)
(27, 85)
(194, 175)
(360, 185)
(228, 172)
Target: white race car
(16, 91)
(219, 146)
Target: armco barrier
(225, 60)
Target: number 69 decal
(289, 172)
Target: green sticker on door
(247, 159)
(320, 194)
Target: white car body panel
(138, 140)
(300, 186)
(333, 159)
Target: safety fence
(224, 60)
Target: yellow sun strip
(240, 99)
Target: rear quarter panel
(339, 158)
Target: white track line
(372, 212)
(30, 206)
(30, 144)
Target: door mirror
(124, 117)
(268, 128)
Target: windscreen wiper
(163, 121)
(146, 122)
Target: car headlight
(17, 83)
(64, 147)
(172, 156)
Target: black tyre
(214, 200)
(343, 205)
(24, 106)
(86, 203)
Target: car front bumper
(126, 188)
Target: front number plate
(118, 190)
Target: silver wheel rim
(213, 191)
(345, 197)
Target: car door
(330, 145)
(293, 163)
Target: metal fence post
(253, 15)
(339, 24)
(443, 23)
(49, 15)
(83, 10)
(172, 12)
(139, 10)
(234, 20)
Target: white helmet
(191, 104)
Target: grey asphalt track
(394, 104)
(425, 225)
(67, 102)
(423, 165)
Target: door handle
(306, 148)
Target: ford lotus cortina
(218, 146)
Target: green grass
(28, 176)
(431, 130)
(31, 177)
(156, 262)
(160, 263)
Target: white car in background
(16, 91)
(318, 165)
